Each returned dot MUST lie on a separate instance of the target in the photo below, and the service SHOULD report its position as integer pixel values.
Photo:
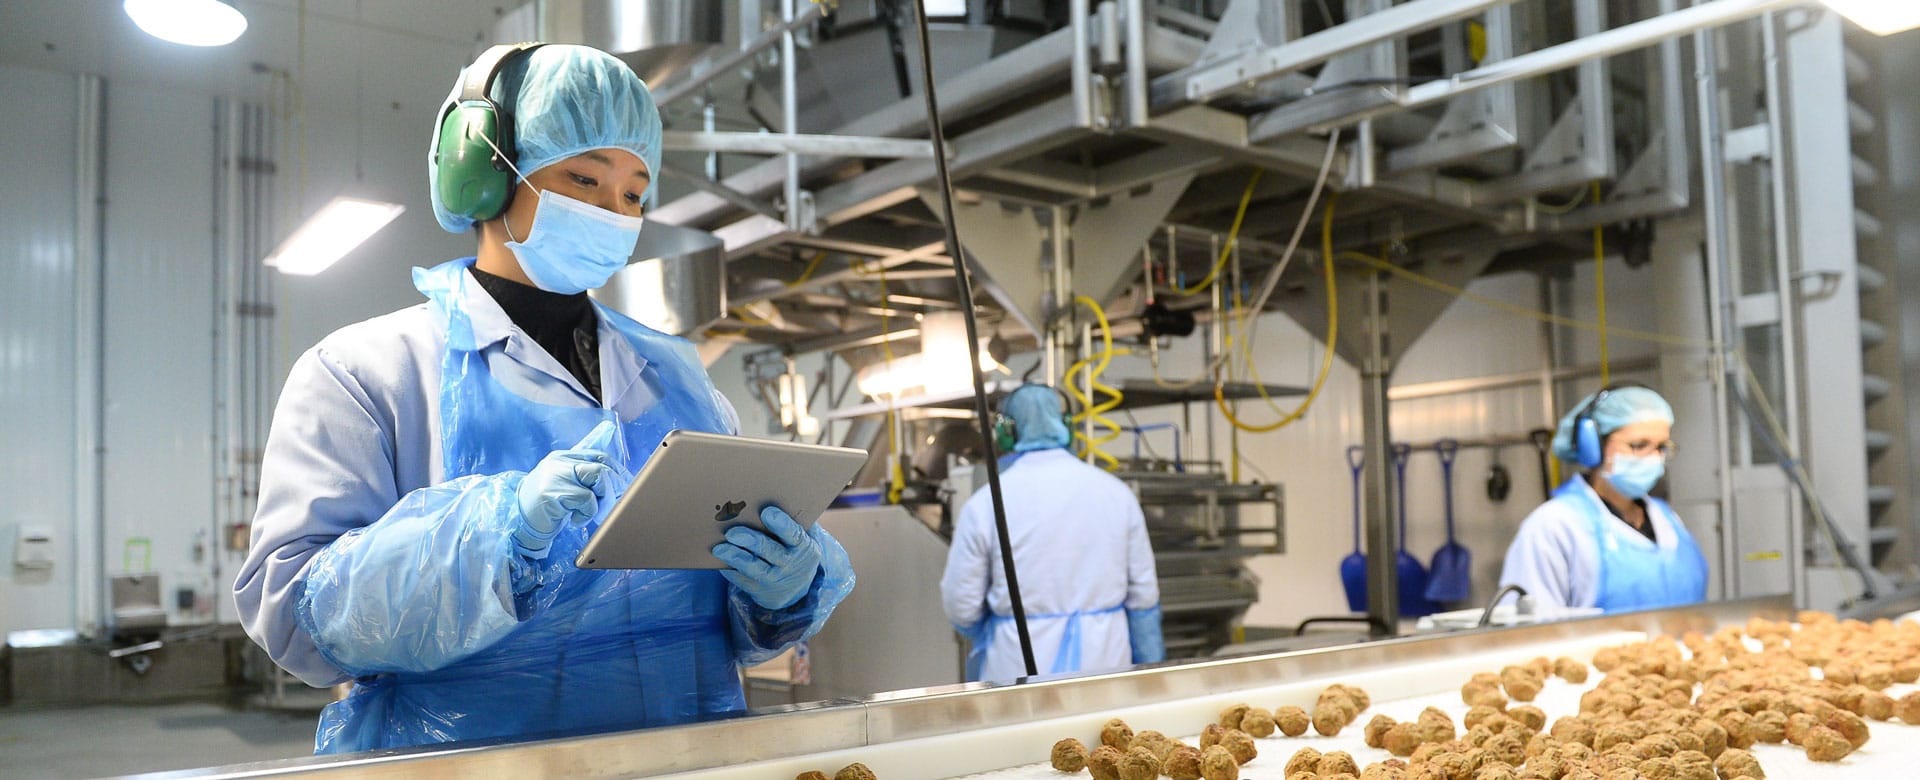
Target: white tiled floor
(116, 740)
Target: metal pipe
(1383, 582)
(1081, 64)
(721, 191)
(700, 73)
(90, 340)
(1783, 238)
(810, 143)
(790, 119)
(1721, 324)
(1109, 36)
(1447, 387)
(708, 116)
(1136, 63)
(1086, 385)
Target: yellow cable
(1333, 333)
(1552, 319)
(1561, 209)
(1600, 289)
(1233, 237)
(814, 265)
(896, 477)
(1090, 411)
(740, 313)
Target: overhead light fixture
(332, 232)
(1880, 17)
(188, 22)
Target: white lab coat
(1080, 547)
(357, 427)
(1556, 557)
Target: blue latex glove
(566, 486)
(1143, 629)
(774, 569)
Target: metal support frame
(1475, 125)
(1206, 82)
(808, 144)
(1383, 585)
(704, 72)
(798, 205)
(722, 191)
(1723, 325)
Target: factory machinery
(957, 731)
(1176, 162)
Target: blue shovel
(1413, 576)
(1452, 571)
(1353, 568)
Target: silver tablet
(697, 485)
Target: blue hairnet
(565, 100)
(1622, 407)
(1035, 411)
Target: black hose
(1486, 615)
(973, 339)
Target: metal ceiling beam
(1022, 135)
(845, 272)
(1201, 83)
(804, 143)
(737, 198)
(1625, 38)
(1036, 64)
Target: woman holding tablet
(432, 473)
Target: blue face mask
(574, 246)
(1634, 475)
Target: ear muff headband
(1006, 433)
(475, 177)
(1586, 432)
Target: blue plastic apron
(1065, 659)
(596, 649)
(1636, 575)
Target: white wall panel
(37, 359)
(159, 318)
(390, 150)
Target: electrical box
(33, 548)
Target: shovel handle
(1447, 449)
(1400, 454)
(1356, 458)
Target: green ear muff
(474, 181)
(1006, 433)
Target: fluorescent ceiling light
(188, 22)
(1880, 17)
(339, 226)
(946, 8)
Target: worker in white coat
(1080, 549)
(1601, 540)
(431, 474)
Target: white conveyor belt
(1019, 752)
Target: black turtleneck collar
(564, 325)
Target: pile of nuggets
(1666, 709)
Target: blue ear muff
(1586, 442)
